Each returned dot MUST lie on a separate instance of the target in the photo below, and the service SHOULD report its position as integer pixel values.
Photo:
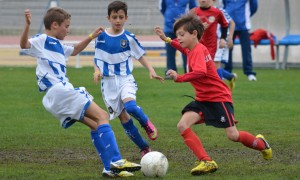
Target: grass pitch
(33, 146)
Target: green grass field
(34, 146)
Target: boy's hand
(155, 76)
(97, 77)
(172, 74)
(159, 32)
(27, 16)
(97, 32)
(229, 42)
(222, 43)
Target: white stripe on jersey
(114, 53)
(51, 56)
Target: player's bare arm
(24, 43)
(97, 74)
(159, 32)
(83, 44)
(152, 72)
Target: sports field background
(143, 16)
(31, 143)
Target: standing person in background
(68, 104)
(171, 10)
(241, 12)
(211, 17)
(222, 54)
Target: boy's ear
(195, 33)
(54, 25)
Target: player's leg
(192, 141)
(171, 54)
(228, 65)
(246, 55)
(135, 111)
(133, 133)
(105, 142)
(258, 143)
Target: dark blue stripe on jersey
(105, 69)
(112, 45)
(53, 45)
(47, 83)
(62, 68)
(117, 69)
(53, 68)
(127, 68)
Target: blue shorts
(217, 114)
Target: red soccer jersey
(212, 16)
(203, 75)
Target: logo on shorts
(222, 119)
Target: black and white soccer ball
(154, 164)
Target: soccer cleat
(204, 167)
(110, 174)
(124, 165)
(252, 77)
(267, 153)
(145, 151)
(232, 81)
(151, 130)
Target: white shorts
(114, 90)
(66, 103)
(222, 54)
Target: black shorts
(217, 114)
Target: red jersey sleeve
(197, 68)
(175, 44)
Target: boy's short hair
(116, 6)
(55, 14)
(190, 22)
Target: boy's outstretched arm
(83, 44)
(160, 33)
(152, 72)
(24, 43)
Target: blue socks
(224, 74)
(105, 142)
(133, 133)
(136, 112)
(220, 72)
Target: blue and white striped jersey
(114, 53)
(51, 56)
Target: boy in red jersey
(211, 17)
(213, 103)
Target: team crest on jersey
(124, 43)
(211, 19)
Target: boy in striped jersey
(115, 50)
(66, 103)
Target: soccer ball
(154, 164)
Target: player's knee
(181, 127)
(233, 136)
(131, 107)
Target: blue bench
(288, 40)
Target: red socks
(251, 141)
(194, 143)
